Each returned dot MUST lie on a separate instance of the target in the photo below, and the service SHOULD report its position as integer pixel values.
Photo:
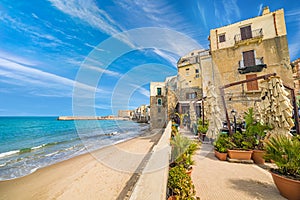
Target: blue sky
(47, 44)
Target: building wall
(272, 47)
(124, 113)
(269, 22)
(158, 113)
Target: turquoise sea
(30, 143)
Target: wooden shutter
(252, 85)
(248, 57)
(246, 32)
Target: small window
(187, 71)
(222, 38)
(252, 85)
(191, 95)
(159, 91)
(192, 54)
(159, 102)
(197, 71)
(197, 76)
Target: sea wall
(152, 183)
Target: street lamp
(233, 112)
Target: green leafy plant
(256, 129)
(243, 141)
(202, 127)
(285, 152)
(180, 184)
(182, 150)
(223, 143)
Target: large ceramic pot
(240, 154)
(221, 156)
(172, 198)
(288, 188)
(258, 157)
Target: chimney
(266, 10)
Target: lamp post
(233, 112)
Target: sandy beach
(102, 174)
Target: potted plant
(182, 151)
(285, 152)
(240, 146)
(202, 128)
(180, 184)
(258, 130)
(221, 146)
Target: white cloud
(226, 12)
(89, 12)
(17, 74)
(166, 56)
(260, 9)
(94, 47)
(104, 71)
(144, 92)
(157, 14)
(140, 90)
(34, 32)
(17, 59)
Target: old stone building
(158, 105)
(296, 76)
(248, 49)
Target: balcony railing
(258, 33)
(257, 67)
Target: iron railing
(255, 34)
(258, 61)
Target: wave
(9, 153)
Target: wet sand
(102, 174)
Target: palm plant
(285, 152)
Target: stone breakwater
(91, 118)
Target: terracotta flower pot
(257, 157)
(221, 156)
(240, 154)
(189, 171)
(288, 188)
(172, 198)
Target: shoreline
(82, 176)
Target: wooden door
(249, 59)
(246, 32)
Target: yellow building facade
(248, 49)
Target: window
(252, 85)
(246, 32)
(191, 95)
(159, 91)
(187, 71)
(159, 109)
(249, 59)
(197, 71)
(159, 103)
(197, 76)
(222, 38)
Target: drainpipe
(274, 21)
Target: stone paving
(214, 179)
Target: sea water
(30, 143)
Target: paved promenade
(214, 179)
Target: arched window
(159, 102)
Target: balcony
(255, 36)
(257, 67)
